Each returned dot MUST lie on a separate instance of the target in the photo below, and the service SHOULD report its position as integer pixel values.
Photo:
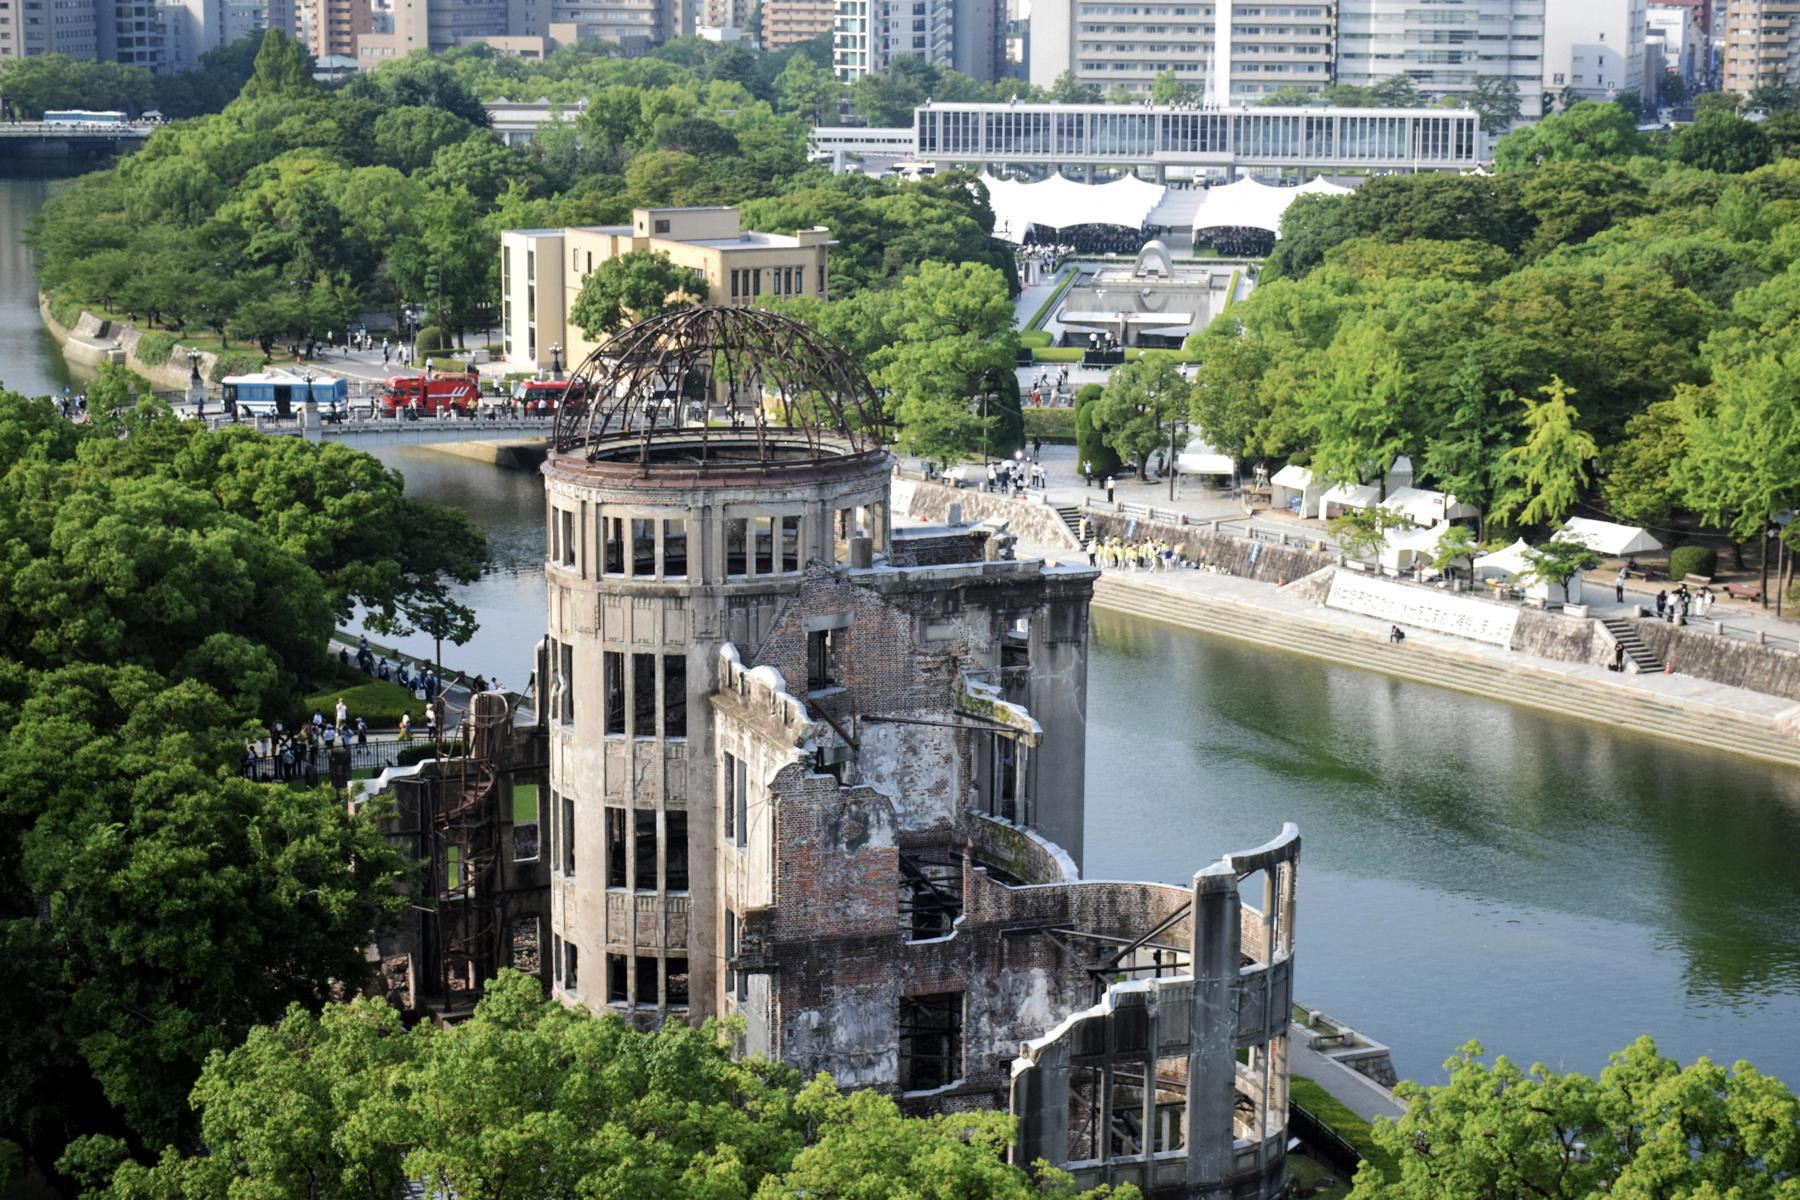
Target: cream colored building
(1762, 44)
(542, 270)
(785, 22)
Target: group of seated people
(1089, 239)
(1237, 241)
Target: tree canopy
(633, 287)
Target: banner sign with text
(1406, 604)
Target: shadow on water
(1472, 869)
(29, 360)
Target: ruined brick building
(824, 772)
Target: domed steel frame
(652, 387)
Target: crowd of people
(1676, 607)
(422, 683)
(286, 754)
(1036, 263)
(1238, 241)
(1147, 555)
(1087, 239)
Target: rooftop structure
(1180, 139)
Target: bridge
(85, 135)
(363, 430)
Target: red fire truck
(530, 394)
(440, 394)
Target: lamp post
(987, 398)
(196, 386)
(556, 361)
(1173, 425)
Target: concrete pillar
(1212, 1061)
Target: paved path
(1358, 1093)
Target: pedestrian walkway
(1356, 1092)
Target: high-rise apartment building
(1446, 45)
(963, 35)
(1761, 45)
(785, 22)
(29, 28)
(1594, 50)
(1125, 46)
(1676, 35)
(523, 26)
(336, 25)
(132, 32)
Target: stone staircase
(1564, 695)
(1645, 662)
(1071, 516)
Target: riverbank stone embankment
(94, 341)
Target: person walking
(431, 722)
(406, 727)
(1662, 603)
(1110, 485)
(1087, 472)
(1619, 586)
(342, 713)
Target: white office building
(868, 36)
(1594, 49)
(1125, 46)
(1445, 45)
(1675, 31)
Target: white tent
(1293, 489)
(1508, 564)
(1199, 458)
(1423, 506)
(1607, 538)
(1060, 203)
(1318, 185)
(1344, 496)
(1404, 546)
(1245, 204)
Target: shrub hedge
(235, 362)
(154, 349)
(430, 340)
(1088, 446)
(1051, 424)
(1036, 339)
(1057, 354)
(1693, 560)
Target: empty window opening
(524, 822)
(764, 530)
(819, 660)
(617, 989)
(644, 850)
(615, 846)
(675, 548)
(571, 961)
(453, 868)
(1084, 1114)
(743, 803)
(730, 952)
(643, 695)
(1003, 784)
(524, 953)
(612, 670)
(567, 670)
(565, 524)
(1170, 1130)
(728, 801)
(930, 895)
(790, 544)
(675, 980)
(674, 695)
(930, 1041)
(736, 563)
(556, 958)
(643, 547)
(568, 836)
(675, 852)
(646, 980)
(612, 532)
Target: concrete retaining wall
(1706, 655)
(1038, 523)
(1274, 563)
(94, 341)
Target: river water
(1471, 870)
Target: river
(1471, 870)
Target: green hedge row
(1058, 354)
(153, 349)
(1693, 560)
(1038, 318)
(235, 362)
(1037, 339)
(1050, 424)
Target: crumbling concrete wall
(1705, 655)
(1036, 523)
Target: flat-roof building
(1444, 47)
(1761, 45)
(542, 271)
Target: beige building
(1762, 44)
(785, 22)
(542, 270)
(336, 25)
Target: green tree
(1646, 1127)
(954, 344)
(634, 287)
(1549, 469)
(1355, 411)
(1362, 532)
(1458, 543)
(1742, 434)
(1557, 562)
(1165, 88)
(1066, 89)
(808, 90)
(1091, 449)
(1141, 407)
(1466, 457)
(283, 68)
(1641, 468)
(1495, 100)
(1586, 130)
(1721, 142)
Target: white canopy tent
(1507, 564)
(1341, 497)
(1293, 489)
(1061, 203)
(1423, 506)
(1404, 547)
(1248, 204)
(1607, 538)
(1201, 459)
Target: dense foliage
(1646, 1127)
(161, 592)
(530, 1100)
(1596, 299)
(30, 86)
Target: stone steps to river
(1559, 694)
(1072, 517)
(1639, 654)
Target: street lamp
(556, 361)
(196, 385)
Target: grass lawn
(1314, 1178)
(1347, 1125)
(376, 701)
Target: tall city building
(522, 26)
(1761, 44)
(1120, 46)
(29, 28)
(1595, 49)
(132, 32)
(785, 22)
(1446, 45)
(336, 25)
(969, 36)
(1675, 34)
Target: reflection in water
(1474, 870)
(29, 362)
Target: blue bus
(82, 116)
(281, 393)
